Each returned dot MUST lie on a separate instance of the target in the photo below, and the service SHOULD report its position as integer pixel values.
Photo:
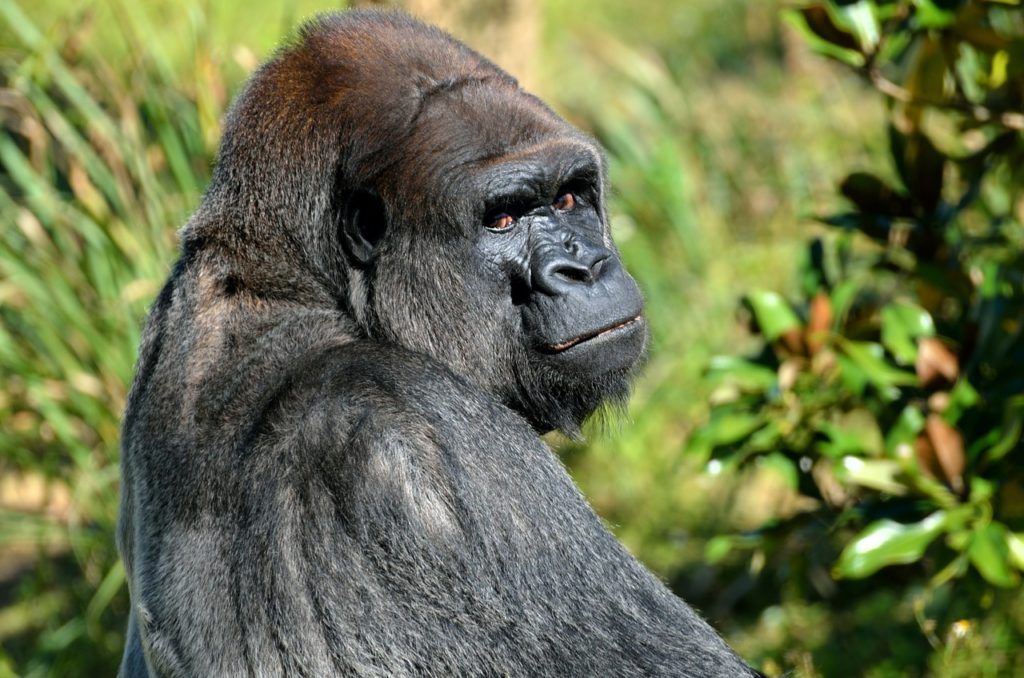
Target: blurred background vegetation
(823, 202)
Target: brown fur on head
(327, 111)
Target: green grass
(98, 170)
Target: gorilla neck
(558, 405)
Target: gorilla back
(400, 275)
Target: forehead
(479, 129)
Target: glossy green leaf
(782, 466)
(1015, 546)
(839, 441)
(902, 325)
(731, 427)
(854, 432)
(852, 376)
(765, 438)
(717, 549)
(773, 313)
(962, 398)
(870, 357)
(901, 435)
(930, 14)
(746, 375)
(886, 542)
(1013, 425)
(721, 546)
(861, 20)
(818, 30)
(990, 555)
(971, 69)
(982, 490)
(876, 474)
(843, 296)
(725, 428)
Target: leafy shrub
(890, 396)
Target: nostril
(572, 272)
(556, 272)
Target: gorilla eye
(501, 221)
(564, 202)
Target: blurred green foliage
(889, 396)
(723, 134)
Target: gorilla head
(444, 208)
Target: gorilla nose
(561, 272)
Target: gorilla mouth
(566, 345)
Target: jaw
(561, 391)
(556, 402)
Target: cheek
(492, 287)
(504, 261)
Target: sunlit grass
(101, 161)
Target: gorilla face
(580, 312)
(577, 311)
(526, 293)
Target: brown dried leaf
(926, 459)
(938, 401)
(948, 446)
(935, 362)
(818, 323)
(792, 341)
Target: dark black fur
(331, 461)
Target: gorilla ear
(363, 223)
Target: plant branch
(1009, 120)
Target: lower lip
(565, 346)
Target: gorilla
(400, 276)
